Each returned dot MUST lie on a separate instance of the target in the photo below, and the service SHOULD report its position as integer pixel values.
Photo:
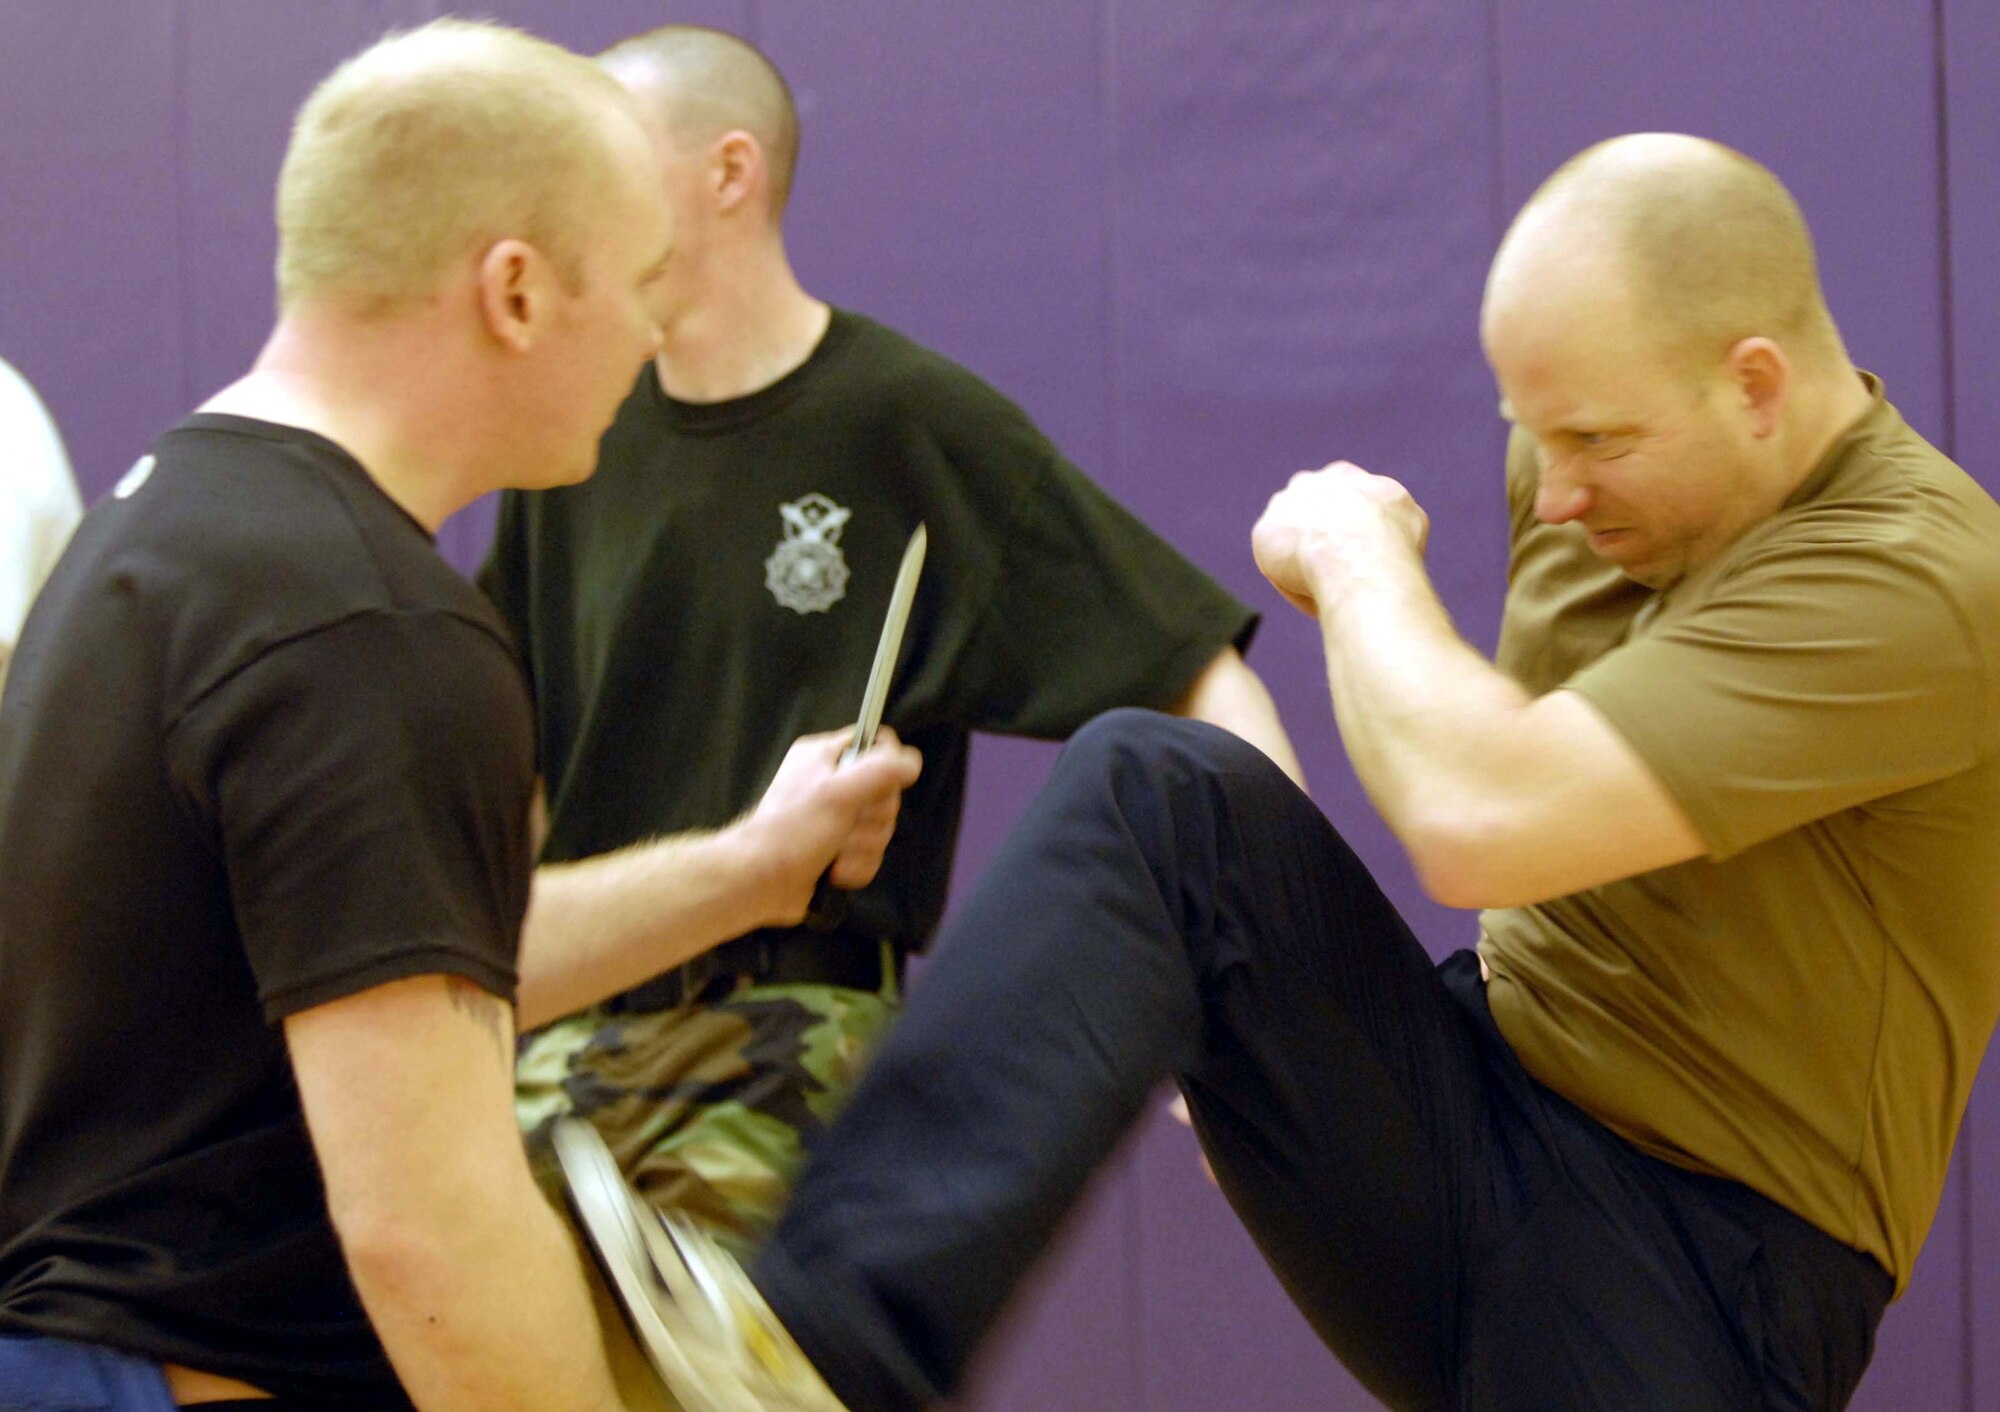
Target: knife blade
(829, 903)
(890, 645)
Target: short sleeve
(1808, 681)
(1091, 610)
(367, 787)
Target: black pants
(1460, 1236)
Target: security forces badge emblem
(807, 572)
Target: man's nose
(1560, 494)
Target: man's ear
(1762, 375)
(513, 293)
(736, 169)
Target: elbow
(1463, 862)
(394, 1258)
(1450, 882)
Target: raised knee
(1130, 738)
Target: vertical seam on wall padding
(1948, 329)
(183, 248)
(1947, 310)
(1136, 1363)
(1493, 71)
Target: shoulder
(1893, 509)
(1883, 575)
(235, 540)
(918, 380)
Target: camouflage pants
(707, 1106)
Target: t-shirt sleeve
(367, 786)
(1090, 610)
(1809, 681)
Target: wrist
(776, 880)
(1339, 571)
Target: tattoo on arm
(468, 999)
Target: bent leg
(1171, 904)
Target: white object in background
(39, 506)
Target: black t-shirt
(260, 749)
(717, 588)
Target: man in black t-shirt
(716, 589)
(265, 772)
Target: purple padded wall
(1205, 245)
(235, 118)
(1971, 89)
(91, 306)
(1305, 201)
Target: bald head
(433, 145)
(697, 84)
(1702, 246)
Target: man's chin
(1622, 549)
(1651, 573)
(552, 475)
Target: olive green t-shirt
(1804, 1009)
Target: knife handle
(828, 908)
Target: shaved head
(1704, 246)
(1656, 328)
(698, 84)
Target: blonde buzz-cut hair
(431, 146)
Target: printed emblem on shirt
(807, 572)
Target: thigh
(1340, 1096)
(1582, 1309)
(1172, 903)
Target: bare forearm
(1500, 799)
(483, 1306)
(465, 1272)
(1425, 719)
(1230, 695)
(602, 925)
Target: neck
(1824, 409)
(748, 325)
(363, 387)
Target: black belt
(844, 959)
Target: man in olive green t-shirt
(1803, 1006)
(1729, 801)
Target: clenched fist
(1327, 526)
